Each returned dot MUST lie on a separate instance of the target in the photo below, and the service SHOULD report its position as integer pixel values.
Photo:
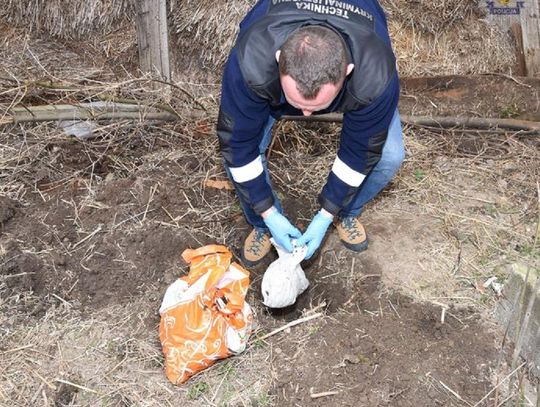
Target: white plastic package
(284, 279)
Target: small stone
(352, 359)
(60, 260)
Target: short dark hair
(313, 56)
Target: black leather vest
(374, 60)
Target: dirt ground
(92, 233)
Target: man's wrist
(268, 212)
(326, 214)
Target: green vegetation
(527, 250)
(419, 174)
(262, 400)
(509, 112)
(197, 390)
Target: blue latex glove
(315, 232)
(281, 229)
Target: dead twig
(150, 199)
(98, 229)
(290, 325)
(323, 394)
(497, 386)
(78, 386)
(507, 77)
(185, 92)
(87, 111)
(315, 309)
(17, 349)
(436, 121)
(454, 393)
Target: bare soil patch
(495, 95)
(384, 350)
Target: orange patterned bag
(204, 316)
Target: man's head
(312, 66)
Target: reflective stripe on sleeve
(347, 174)
(247, 172)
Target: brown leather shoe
(256, 246)
(352, 234)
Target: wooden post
(152, 36)
(515, 28)
(524, 24)
(530, 27)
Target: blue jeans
(392, 156)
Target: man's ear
(350, 68)
(278, 53)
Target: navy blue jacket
(251, 93)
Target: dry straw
(432, 16)
(430, 37)
(66, 18)
(207, 29)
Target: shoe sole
(356, 247)
(249, 263)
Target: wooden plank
(152, 36)
(530, 27)
(515, 28)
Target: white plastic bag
(284, 279)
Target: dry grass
(451, 15)
(480, 48)
(440, 37)
(484, 202)
(200, 30)
(430, 38)
(197, 27)
(112, 354)
(114, 357)
(67, 19)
